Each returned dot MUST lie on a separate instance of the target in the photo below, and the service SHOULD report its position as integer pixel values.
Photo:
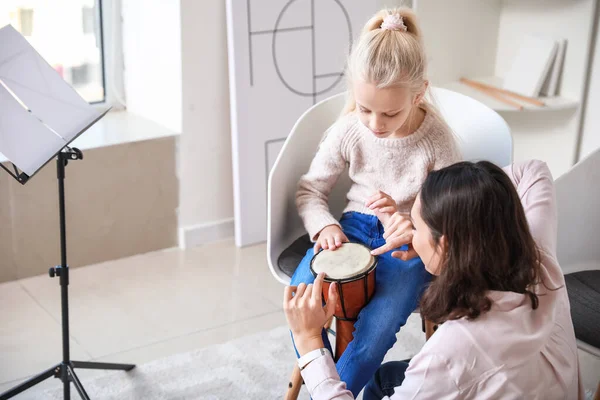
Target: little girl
(390, 138)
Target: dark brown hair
(488, 243)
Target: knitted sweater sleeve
(316, 185)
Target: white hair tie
(394, 22)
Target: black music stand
(40, 115)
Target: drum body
(353, 268)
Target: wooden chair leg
(428, 327)
(597, 395)
(328, 323)
(296, 379)
(294, 385)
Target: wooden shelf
(552, 103)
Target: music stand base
(66, 373)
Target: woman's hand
(306, 314)
(330, 238)
(383, 205)
(398, 232)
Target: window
(25, 21)
(69, 37)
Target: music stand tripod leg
(31, 382)
(98, 365)
(73, 378)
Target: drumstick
(481, 85)
(496, 96)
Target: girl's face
(385, 111)
(423, 243)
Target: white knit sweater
(396, 166)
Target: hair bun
(401, 19)
(394, 22)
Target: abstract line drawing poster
(284, 57)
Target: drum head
(350, 260)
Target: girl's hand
(306, 314)
(330, 238)
(398, 232)
(383, 205)
(398, 225)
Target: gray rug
(252, 367)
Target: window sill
(118, 127)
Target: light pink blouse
(512, 351)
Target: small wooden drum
(352, 267)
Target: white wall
(152, 60)
(547, 135)
(591, 126)
(206, 183)
(451, 36)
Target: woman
(499, 295)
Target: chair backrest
(578, 208)
(481, 132)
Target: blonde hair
(389, 58)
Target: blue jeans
(398, 288)
(389, 376)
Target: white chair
(578, 247)
(482, 134)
